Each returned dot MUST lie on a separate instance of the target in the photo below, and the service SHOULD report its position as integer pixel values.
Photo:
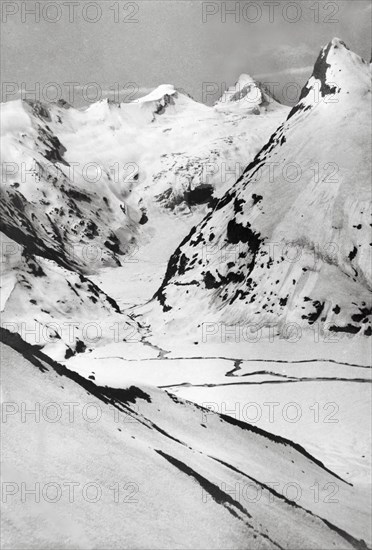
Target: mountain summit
(249, 95)
(337, 72)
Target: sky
(82, 50)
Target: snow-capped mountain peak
(338, 72)
(245, 79)
(166, 99)
(339, 67)
(158, 93)
(248, 94)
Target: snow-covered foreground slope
(317, 394)
(137, 467)
(290, 241)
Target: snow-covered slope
(291, 241)
(44, 205)
(123, 468)
(57, 309)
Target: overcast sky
(188, 43)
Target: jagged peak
(245, 79)
(338, 43)
(337, 71)
(238, 90)
(336, 61)
(249, 94)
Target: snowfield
(166, 457)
